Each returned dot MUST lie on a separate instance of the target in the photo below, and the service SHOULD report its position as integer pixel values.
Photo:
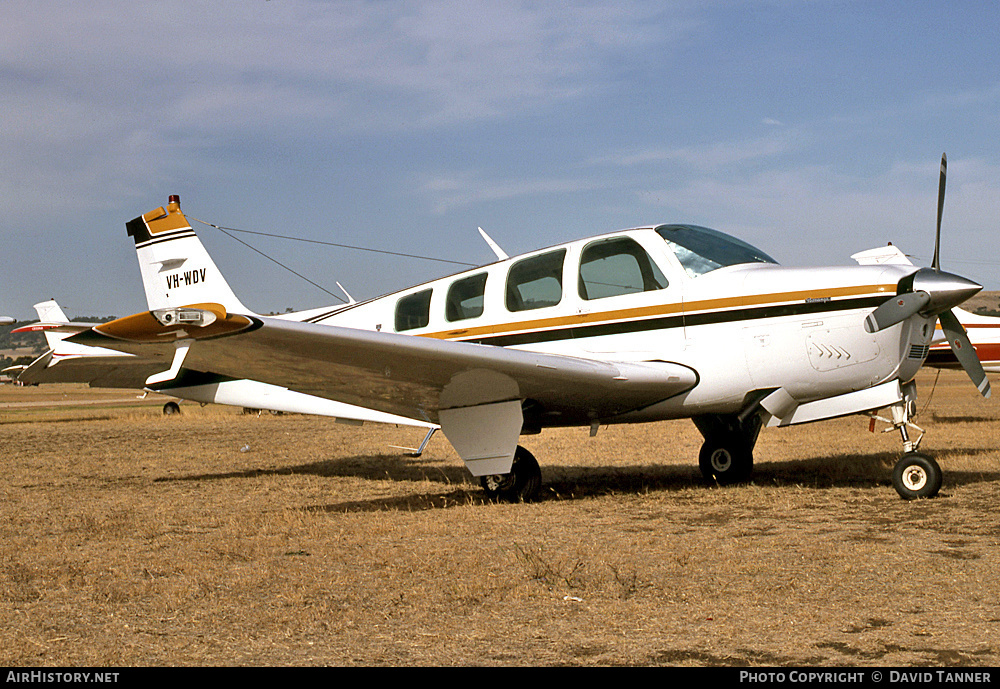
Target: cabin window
(465, 298)
(536, 282)
(413, 311)
(612, 267)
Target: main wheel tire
(171, 408)
(520, 485)
(726, 460)
(916, 476)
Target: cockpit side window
(612, 267)
(465, 298)
(535, 282)
(701, 250)
(413, 311)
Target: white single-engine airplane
(651, 323)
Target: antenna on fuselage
(350, 299)
(500, 253)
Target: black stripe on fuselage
(686, 320)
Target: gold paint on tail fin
(165, 220)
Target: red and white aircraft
(644, 324)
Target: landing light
(196, 317)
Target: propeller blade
(936, 263)
(963, 350)
(896, 310)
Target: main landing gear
(520, 485)
(726, 457)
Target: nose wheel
(916, 475)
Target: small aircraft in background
(984, 333)
(6, 320)
(66, 362)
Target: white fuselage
(742, 328)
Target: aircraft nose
(946, 290)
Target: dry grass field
(212, 538)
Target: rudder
(50, 312)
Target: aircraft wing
(405, 375)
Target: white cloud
(102, 94)
(711, 156)
(463, 190)
(451, 60)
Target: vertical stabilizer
(50, 312)
(176, 269)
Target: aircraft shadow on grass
(583, 482)
(937, 417)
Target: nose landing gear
(916, 475)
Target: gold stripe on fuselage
(674, 308)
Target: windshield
(701, 250)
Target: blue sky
(812, 129)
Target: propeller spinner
(932, 292)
